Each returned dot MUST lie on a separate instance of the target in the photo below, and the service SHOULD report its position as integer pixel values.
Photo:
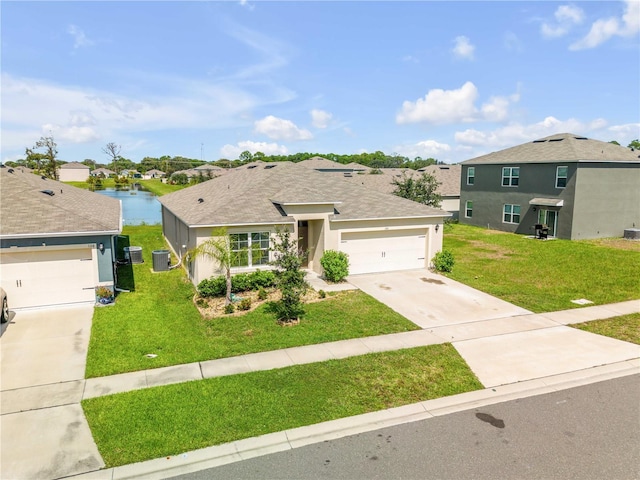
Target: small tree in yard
(289, 278)
(218, 249)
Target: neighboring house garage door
(50, 276)
(384, 250)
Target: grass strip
(624, 327)
(163, 421)
(159, 317)
(543, 276)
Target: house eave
(285, 220)
(17, 236)
(412, 217)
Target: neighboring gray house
(102, 172)
(73, 172)
(580, 188)
(55, 240)
(379, 231)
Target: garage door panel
(48, 277)
(384, 250)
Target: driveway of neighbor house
(431, 300)
(44, 431)
(500, 342)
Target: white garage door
(48, 276)
(384, 250)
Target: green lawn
(159, 317)
(163, 421)
(625, 327)
(542, 276)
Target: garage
(41, 276)
(384, 250)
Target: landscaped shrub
(443, 261)
(335, 265)
(213, 287)
(241, 282)
(262, 294)
(229, 308)
(322, 294)
(262, 279)
(245, 304)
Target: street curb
(224, 454)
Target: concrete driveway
(44, 431)
(431, 300)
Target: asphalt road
(589, 432)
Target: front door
(303, 241)
(550, 219)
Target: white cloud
(281, 129)
(233, 151)
(82, 114)
(566, 17)
(320, 118)
(454, 106)
(463, 48)
(80, 39)
(441, 106)
(424, 149)
(605, 28)
(515, 134)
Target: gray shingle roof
(250, 196)
(563, 147)
(26, 211)
(447, 175)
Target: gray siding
(536, 180)
(607, 200)
(176, 232)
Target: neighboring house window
(510, 176)
(471, 175)
(468, 209)
(511, 214)
(251, 248)
(561, 177)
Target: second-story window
(471, 175)
(510, 176)
(561, 177)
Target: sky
(209, 80)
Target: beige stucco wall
(73, 174)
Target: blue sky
(449, 80)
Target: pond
(138, 206)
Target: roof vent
(11, 169)
(539, 141)
(200, 200)
(556, 139)
(251, 166)
(270, 166)
(348, 174)
(48, 192)
(581, 138)
(444, 168)
(43, 177)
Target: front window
(561, 177)
(468, 209)
(249, 249)
(511, 214)
(510, 176)
(471, 175)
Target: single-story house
(570, 186)
(73, 172)
(380, 232)
(56, 241)
(154, 173)
(102, 172)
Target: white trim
(307, 203)
(242, 224)
(444, 214)
(39, 248)
(59, 235)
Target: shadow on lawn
(124, 269)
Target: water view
(138, 206)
